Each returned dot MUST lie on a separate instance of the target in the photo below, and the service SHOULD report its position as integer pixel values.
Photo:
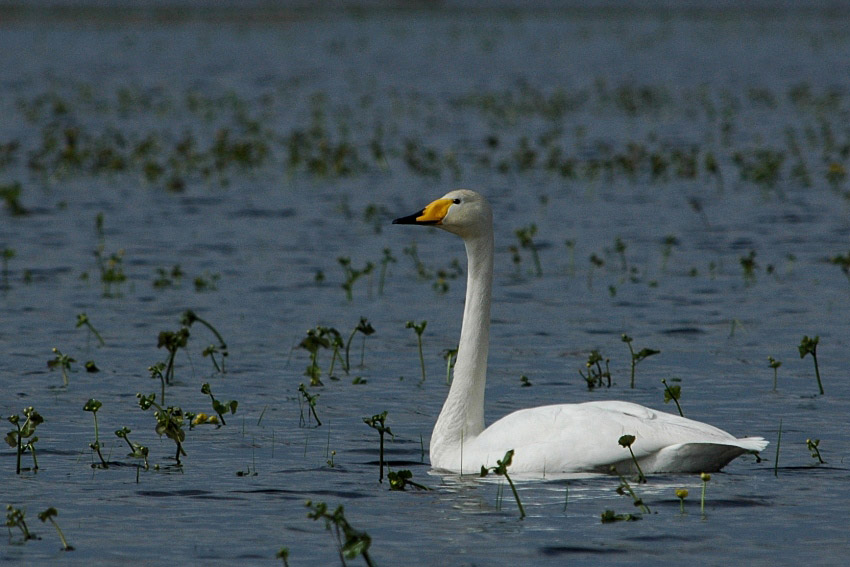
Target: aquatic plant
(352, 274)
(206, 282)
(137, 451)
(525, 238)
(609, 516)
(157, 371)
(400, 480)
(15, 519)
(188, 318)
(386, 259)
(704, 477)
(350, 542)
(49, 515)
(595, 374)
(283, 555)
(93, 405)
(524, 381)
(775, 364)
(673, 393)
(681, 494)
(169, 422)
(626, 442)
(378, 423)
(172, 341)
(749, 265)
(625, 489)
(812, 446)
(167, 278)
(111, 270)
(501, 469)
(365, 328)
(810, 346)
(10, 193)
(311, 403)
(62, 362)
(667, 249)
(419, 328)
(636, 356)
(314, 340)
(83, 319)
(220, 408)
(843, 262)
(778, 445)
(449, 355)
(595, 262)
(25, 430)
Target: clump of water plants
(812, 446)
(167, 278)
(810, 346)
(137, 451)
(49, 515)
(93, 405)
(673, 393)
(610, 516)
(220, 408)
(525, 238)
(62, 362)
(83, 320)
(350, 542)
(748, 264)
(501, 469)
(378, 423)
(637, 356)
(188, 318)
(419, 328)
(626, 441)
(352, 275)
(15, 519)
(283, 555)
(625, 489)
(843, 262)
(10, 193)
(23, 438)
(365, 328)
(172, 341)
(310, 399)
(386, 259)
(315, 339)
(111, 270)
(400, 480)
(775, 364)
(595, 375)
(169, 422)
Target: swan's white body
(548, 439)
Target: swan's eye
(456, 201)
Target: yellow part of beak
(435, 212)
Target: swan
(562, 438)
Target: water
(448, 96)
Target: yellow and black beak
(434, 213)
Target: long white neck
(462, 417)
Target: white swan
(558, 438)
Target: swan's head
(462, 212)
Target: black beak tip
(409, 219)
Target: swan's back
(585, 437)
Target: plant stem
(778, 443)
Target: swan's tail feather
(753, 444)
(699, 457)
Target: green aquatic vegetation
(620, 249)
(524, 381)
(311, 400)
(749, 265)
(283, 555)
(167, 278)
(595, 262)
(211, 351)
(91, 367)
(376, 216)
(810, 346)
(188, 318)
(840, 260)
(62, 362)
(24, 431)
(206, 282)
(595, 375)
(157, 371)
(775, 364)
(350, 541)
(836, 173)
(15, 519)
(352, 274)
(525, 237)
(441, 279)
(636, 356)
(667, 246)
(421, 270)
(681, 494)
(172, 341)
(419, 328)
(365, 328)
(571, 251)
(609, 517)
(220, 408)
(760, 166)
(673, 393)
(10, 193)
(400, 480)
(169, 422)
(625, 489)
(450, 356)
(6, 255)
(501, 469)
(49, 515)
(626, 442)
(137, 451)
(83, 320)
(704, 477)
(378, 423)
(93, 405)
(315, 339)
(111, 270)
(421, 160)
(812, 446)
(386, 259)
